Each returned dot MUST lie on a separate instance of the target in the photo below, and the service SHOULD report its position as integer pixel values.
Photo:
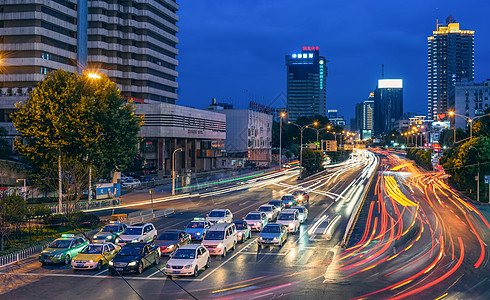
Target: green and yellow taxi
(110, 232)
(63, 249)
(94, 256)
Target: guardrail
(25, 253)
(86, 205)
(148, 214)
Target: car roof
(266, 205)
(273, 224)
(171, 231)
(190, 246)
(275, 201)
(139, 224)
(220, 209)
(137, 244)
(288, 195)
(219, 226)
(239, 222)
(298, 206)
(255, 212)
(289, 211)
(100, 244)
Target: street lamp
(24, 188)
(477, 176)
(301, 128)
(173, 170)
(318, 130)
(94, 76)
(283, 114)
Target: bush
(82, 219)
(42, 200)
(56, 219)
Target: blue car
(273, 234)
(197, 228)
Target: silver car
(270, 211)
(257, 220)
(303, 213)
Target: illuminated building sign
(302, 55)
(390, 84)
(321, 62)
(315, 48)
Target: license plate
(47, 260)
(80, 266)
(176, 272)
(119, 269)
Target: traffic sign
(487, 179)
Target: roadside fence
(147, 215)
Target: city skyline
(250, 48)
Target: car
(301, 196)
(169, 241)
(220, 216)
(147, 179)
(289, 218)
(303, 213)
(289, 200)
(270, 211)
(197, 228)
(134, 258)
(94, 256)
(278, 204)
(273, 234)
(63, 249)
(131, 183)
(243, 231)
(110, 232)
(137, 233)
(188, 260)
(256, 220)
(220, 238)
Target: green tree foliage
(461, 163)
(312, 161)
(84, 121)
(5, 150)
(13, 210)
(421, 157)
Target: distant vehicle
(137, 233)
(197, 228)
(289, 218)
(63, 249)
(256, 219)
(220, 238)
(289, 200)
(131, 183)
(94, 256)
(188, 260)
(273, 234)
(303, 213)
(278, 204)
(147, 179)
(220, 216)
(270, 211)
(169, 241)
(301, 196)
(110, 232)
(134, 258)
(243, 230)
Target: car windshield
(239, 226)
(93, 249)
(271, 229)
(265, 208)
(196, 225)
(130, 251)
(168, 236)
(185, 254)
(287, 198)
(133, 231)
(60, 244)
(214, 235)
(275, 203)
(286, 217)
(252, 217)
(109, 228)
(217, 214)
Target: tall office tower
(364, 117)
(306, 83)
(450, 59)
(388, 105)
(133, 42)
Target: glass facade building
(388, 105)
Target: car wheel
(140, 268)
(208, 263)
(154, 238)
(67, 259)
(196, 271)
(157, 260)
(99, 265)
(224, 252)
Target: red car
(169, 241)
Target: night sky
(235, 50)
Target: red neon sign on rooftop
(311, 48)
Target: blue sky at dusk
(230, 47)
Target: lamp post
(93, 76)
(301, 128)
(468, 119)
(283, 114)
(318, 131)
(477, 176)
(173, 170)
(24, 188)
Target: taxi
(110, 232)
(94, 256)
(197, 228)
(62, 249)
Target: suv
(289, 218)
(137, 233)
(220, 238)
(289, 200)
(220, 216)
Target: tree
(4, 144)
(13, 209)
(312, 161)
(77, 122)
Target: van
(220, 238)
(290, 219)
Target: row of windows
(58, 15)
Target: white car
(220, 238)
(257, 220)
(188, 260)
(303, 213)
(137, 233)
(270, 211)
(220, 216)
(131, 183)
(290, 219)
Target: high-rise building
(364, 117)
(133, 42)
(450, 60)
(469, 99)
(306, 83)
(388, 105)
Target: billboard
(390, 83)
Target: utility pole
(173, 170)
(60, 190)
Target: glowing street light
(93, 75)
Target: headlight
(91, 261)
(220, 245)
(188, 267)
(117, 240)
(109, 237)
(170, 247)
(300, 197)
(291, 225)
(257, 224)
(260, 238)
(58, 255)
(275, 239)
(134, 241)
(95, 237)
(111, 263)
(198, 233)
(269, 215)
(240, 233)
(133, 263)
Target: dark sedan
(134, 258)
(169, 241)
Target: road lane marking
(101, 272)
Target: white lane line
(101, 272)
(92, 276)
(266, 253)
